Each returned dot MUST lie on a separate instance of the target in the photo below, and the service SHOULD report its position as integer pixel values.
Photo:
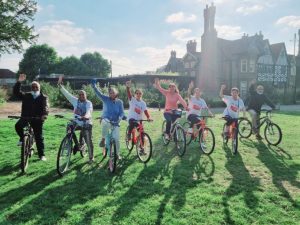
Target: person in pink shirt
(172, 98)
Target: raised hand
(191, 85)
(22, 77)
(94, 81)
(128, 83)
(60, 78)
(223, 86)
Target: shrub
(3, 95)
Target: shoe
(91, 161)
(190, 131)
(102, 143)
(258, 137)
(119, 157)
(167, 137)
(43, 158)
(19, 143)
(142, 152)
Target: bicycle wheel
(273, 134)
(163, 128)
(188, 136)
(144, 147)
(64, 155)
(245, 128)
(224, 136)
(129, 142)
(234, 140)
(207, 141)
(180, 141)
(25, 153)
(112, 157)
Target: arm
(189, 92)
(221, 94)
(158, 87)
(122, 114)
(72, 99)
(147, 114)
(98, 92)
(89, 110)
(181, 100)
(128, 84)
(17, 90)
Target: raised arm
(17, 87)
(128, 85)
(89, 110)
(182, 101)
(158, 87)
(98, 92)
(221, 94)
(189, 92)
(72, 99)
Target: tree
(71, 66)
(38, 59)
(96, 64)
(14, 28)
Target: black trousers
(37, 126)
(194, 119)
(132, 124)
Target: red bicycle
(232, 134)
(142, 141)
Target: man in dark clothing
(34, 104)
(257, 99)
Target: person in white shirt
(136, 108)
(83, 109)
(234, 104)
(196, 106)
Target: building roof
(6, 73)
(276, 49)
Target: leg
(168, 118)
(37, 127)
(19, 128)
(131, 126)
(116, 136)
(88, 140)
(105, 129)
(254, 118)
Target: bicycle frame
(202, 126)
(265, 119)
(139, 129)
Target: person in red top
(172, 98)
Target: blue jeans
(170, 118)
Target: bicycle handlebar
(24, 117)
(63, 117)
(143, 120)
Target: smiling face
(197, 93)
(172, 88)
(234, 93)
(82, 96)
(138, 94)
(112, 94)
(260, 89)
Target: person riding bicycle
(196, 105)
(113, 110)
(234, 104)
(34, 104)
(83, 109)
(172, 97)
(257, 99)
(136, 108)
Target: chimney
(191, 46)
(173, 54)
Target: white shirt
(136, 109)
(74, 101)
(233, 106)
(196, 105)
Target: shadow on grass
(242, 182)
(280, 170)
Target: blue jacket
(112, 109)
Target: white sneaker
(20, 143)
(43, 158)
(190, 130)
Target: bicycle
(27, 149)
(177, 134)
(110, 145)
(272, 131)
(66, 147)
(142, 141)
(201, 133)
(231, 134)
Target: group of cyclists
(35, 110)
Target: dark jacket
(32, 107)
(256, 100)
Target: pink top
(172, 99)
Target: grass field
(260, 185)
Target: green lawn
(260, 185)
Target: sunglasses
(138, 93)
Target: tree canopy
(96, 64)
(14, 24)
(71, 66)
(38, 59)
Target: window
(251, 66)
(244, 65)
(243, 89)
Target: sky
(138, 35)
